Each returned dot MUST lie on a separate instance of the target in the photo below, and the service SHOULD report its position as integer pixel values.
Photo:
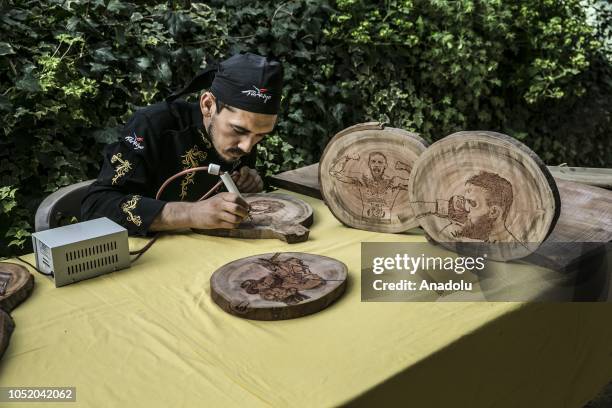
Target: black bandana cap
(245, 81)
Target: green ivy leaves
(6, 49)
(71, 72)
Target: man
(481, 213)
(378, 191)
(238, 111)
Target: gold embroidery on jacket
(123, 167)
(191, 158)
(127, 208)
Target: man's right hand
(224, 210)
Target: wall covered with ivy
(72, 71)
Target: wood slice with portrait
(484, 187)
(279, 216)
(6, 330)
(278, 286)
(16, 284)
(364, 174)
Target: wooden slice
(6, 329)
(484, 187)
(364, 174)
(278, 286)
(271, 216)
(16, 284)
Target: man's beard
(480, 230)
(211, 130)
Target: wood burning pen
(231, 187)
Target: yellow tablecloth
(150, 336)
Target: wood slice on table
(484, 187)
(16, 284)
(278, 216)
(6, 329)
(278, 286)
(364, 174)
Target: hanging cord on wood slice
(144, 249)
(35, 268)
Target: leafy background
(71, 72)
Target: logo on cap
(258, 93)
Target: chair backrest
(65, 203)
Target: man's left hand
(248, 180)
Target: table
(150, 336)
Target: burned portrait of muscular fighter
(377, 190)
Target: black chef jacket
(158, 142)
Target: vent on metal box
(45, 253)
(111, 260)
(44, 249)
(93, 257)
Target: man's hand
(224, 210)
(248, 180)
(456, 209)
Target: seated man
(166, 138)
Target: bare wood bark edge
(279, 313)
(6, 330)
(19, 288)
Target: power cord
(149, 244)
(35, 268)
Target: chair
(62, 205)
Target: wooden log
(278, 286)
(484, 187)
(304, 180)
(16, 285)
(582, 231)
(6, 329)
(279, 216)
(364, 174)
(596, 177)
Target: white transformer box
(81, 251)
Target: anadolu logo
(258, 93)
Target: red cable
(144, 249)
(177, 175)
